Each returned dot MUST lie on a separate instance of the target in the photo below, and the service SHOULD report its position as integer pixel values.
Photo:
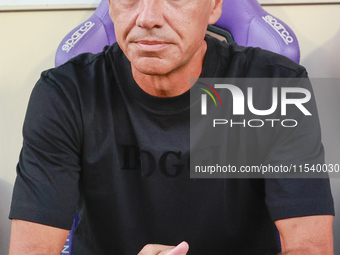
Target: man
(102, 131)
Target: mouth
(151, 45)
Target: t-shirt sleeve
(302, 194)
(46, 186)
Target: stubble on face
(162, 38)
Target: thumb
(181, 249)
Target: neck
(174, 83)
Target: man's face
(162, 36)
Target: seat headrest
(246, 20)
(251, 25)
(90, 36)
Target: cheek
(193, 22)
(122, 28)
(114, 11)
(123, 17)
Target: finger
(155, 249)
(181, 249)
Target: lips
(151, 45)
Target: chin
(152, 67)
(153, 72)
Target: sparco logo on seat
(75, 37)
(279, 28)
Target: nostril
(150, 14)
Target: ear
(216, 11)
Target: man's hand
(306, 235)
(157, 249)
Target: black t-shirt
(95, 142)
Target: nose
(150, 14)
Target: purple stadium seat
(248, 23)
(246, 20)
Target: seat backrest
(246, 20)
